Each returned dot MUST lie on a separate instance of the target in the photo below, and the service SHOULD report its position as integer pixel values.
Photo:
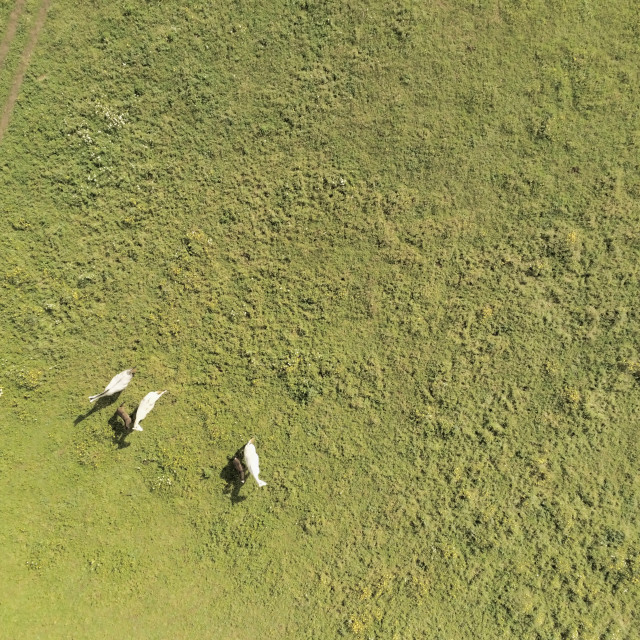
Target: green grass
(397, 243)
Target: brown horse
(239, 468)
(125, 416)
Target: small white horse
(253, 462)
(118, 383)
(146, 404)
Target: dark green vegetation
(398, 244)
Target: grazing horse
(252, 461)
(239, 468)
(125, 416)
(118, 383)
(146, 404)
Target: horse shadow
(120, 432)
(230, 476)
(100, 403)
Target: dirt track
(12, 25)
(24, 59)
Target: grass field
(397, 243)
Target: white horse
(146, 404)
(118, 383)
(253, 462)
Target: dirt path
(12, 25)
(24, 60)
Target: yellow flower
(571, 395)
(357, 626)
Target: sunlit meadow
(397, 243)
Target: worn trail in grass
(5, 114)
(10, 30)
